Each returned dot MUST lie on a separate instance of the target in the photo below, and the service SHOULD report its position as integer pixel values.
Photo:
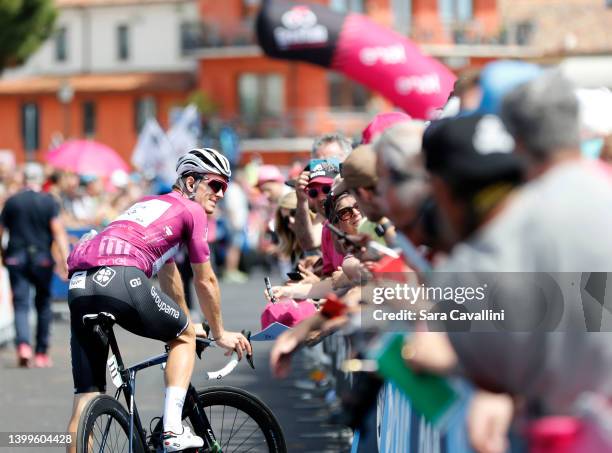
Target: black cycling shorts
(139, 307)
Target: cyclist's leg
(164, 320)
(78, 404)
(88, 356)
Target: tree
(24, 26)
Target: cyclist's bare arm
(209, 295)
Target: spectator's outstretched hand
(489, 418)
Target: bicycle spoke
(222, 419)
(232, 430)
(254, 431)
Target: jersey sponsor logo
(104, 276)
(135, 282)
(78, 280)
(163, 306)
(145, 213)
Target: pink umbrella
(86, 157)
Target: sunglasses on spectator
(313, 192)
(348, 212)
(216, 184)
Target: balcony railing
(201, 35)
(308, 123)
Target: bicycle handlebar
(227, 369)
(203, 343)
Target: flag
(154, 155)
(184, 133)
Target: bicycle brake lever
(199, 349)
(249, 357)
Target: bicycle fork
(199, 420)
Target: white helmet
(203, 160)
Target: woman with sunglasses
(343, 213)
(111, 272)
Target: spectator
(308, 231)
(359, 179)
(31, 218)
(403, 190)
(285, 228)
(381, 122)
(271, 183)
(331, 146)
(542, 228)
(236, 206)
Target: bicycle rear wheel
(240, 421)
(104, 428)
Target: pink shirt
(331, 258)
(146, 236)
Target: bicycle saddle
(102, 318)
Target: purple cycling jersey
(146, 236)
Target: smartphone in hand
(295, 276)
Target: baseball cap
(380, 123)
(358, 170)
(267, 173)
(323, 171)
(474, 149)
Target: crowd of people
(498, 183)
(502, 186)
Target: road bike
(228, 419)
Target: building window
(89, 118)
(261, 95)
(145, 108)
(456, 10)
(123, 42)
(191, 36)
(346, 94)
(61, 44)
(345, 6)
(402, 15)
(30, 126)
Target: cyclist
(111, 272)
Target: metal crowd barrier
(398, 427)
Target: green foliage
(205, 105)
(24, 26)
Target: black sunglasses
(314, 193)
(346, 213)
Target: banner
(354, 45)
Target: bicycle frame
(198, 418)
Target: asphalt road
(40, 400)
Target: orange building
(140, 63)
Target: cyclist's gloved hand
(234, 341)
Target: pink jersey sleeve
(197, 241)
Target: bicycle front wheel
(104, 428)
